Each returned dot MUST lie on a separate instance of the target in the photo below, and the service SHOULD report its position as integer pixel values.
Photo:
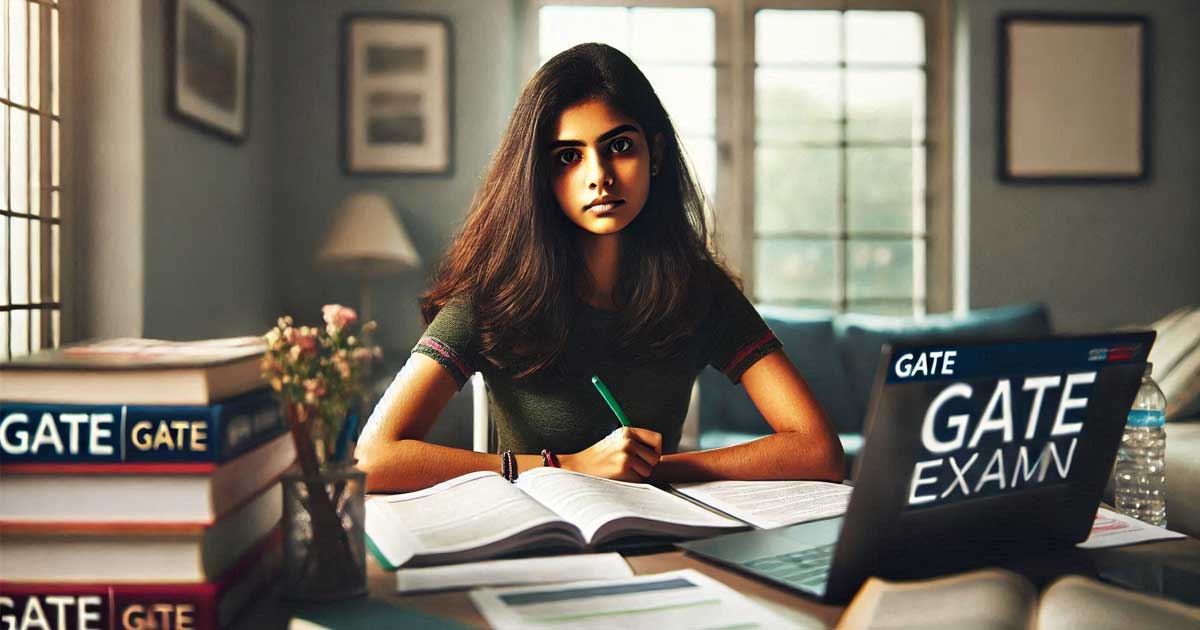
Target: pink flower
(338, 316)
(307, 341)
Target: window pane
(797, 36)
(19, 160)
(54, 60)
(563, 27)
(885, 37)
(689, 94)
(17, 47)
(56, 320)
(701, 153)
(55, 252)
(4, 265)
(56, 156)
(35, 52)
(879, 269)
(686, 35)
(35, 261)
(885, 105)
(35, 165)
(18, 240)
(20, 333)
(885, 189)
(903, 309)
(5, 121)
(794, 270)
(4, 354)
(35, 330)
(796, 189)
(793, 105)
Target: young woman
(585, 253)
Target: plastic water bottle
(1140, 477)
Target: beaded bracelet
(508, 466)
(550, 459)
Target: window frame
(47, 306)
(733, 227)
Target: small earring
(653, 171)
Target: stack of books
(138, 484)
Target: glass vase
(324, 555)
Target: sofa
(838, 355)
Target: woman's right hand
(626, 454)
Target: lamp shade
(366, 235)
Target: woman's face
(600, 161)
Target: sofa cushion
(808, 340)
(861, 337)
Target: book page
(1079, 602)
(468, 512)
(770, 504)
(536, 570)
(987, 599)
(591, 502)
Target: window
(30, 186)
(839, 159)
(818, 131)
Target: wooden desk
(270, 612)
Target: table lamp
(368, 239)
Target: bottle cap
(1149, 369)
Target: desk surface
(270, 612)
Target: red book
(201, 606)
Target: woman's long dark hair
(516, 258)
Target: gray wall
(307, 172)
(208, 263)
(1099, 255)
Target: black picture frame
(1050, 147)
(412, 95)
(209, 62)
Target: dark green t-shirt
(564, 412)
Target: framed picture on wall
(1073, 98)
(396, 94)
(208, 56)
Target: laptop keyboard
(808, 568)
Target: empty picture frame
(396, 96)
(1073, 104)
(208, 56)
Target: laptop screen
(1003, 417)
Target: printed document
(588, 566)
(677, 599)
(770, 504)
(1113, 529)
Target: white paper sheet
(770, 504)
(595, 566)
(677, 599)
(1113, 529)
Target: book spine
(55, 438)
(112, 607)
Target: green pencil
(612, 402)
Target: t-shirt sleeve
(450, 340)
(738, 335)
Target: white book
(481, 515)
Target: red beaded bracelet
(550, 459)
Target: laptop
(975, 453)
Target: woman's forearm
(787, 455)
(407, 465)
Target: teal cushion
(862, 336)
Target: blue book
(43, 434)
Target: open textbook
(996, 598)
(481, 515)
